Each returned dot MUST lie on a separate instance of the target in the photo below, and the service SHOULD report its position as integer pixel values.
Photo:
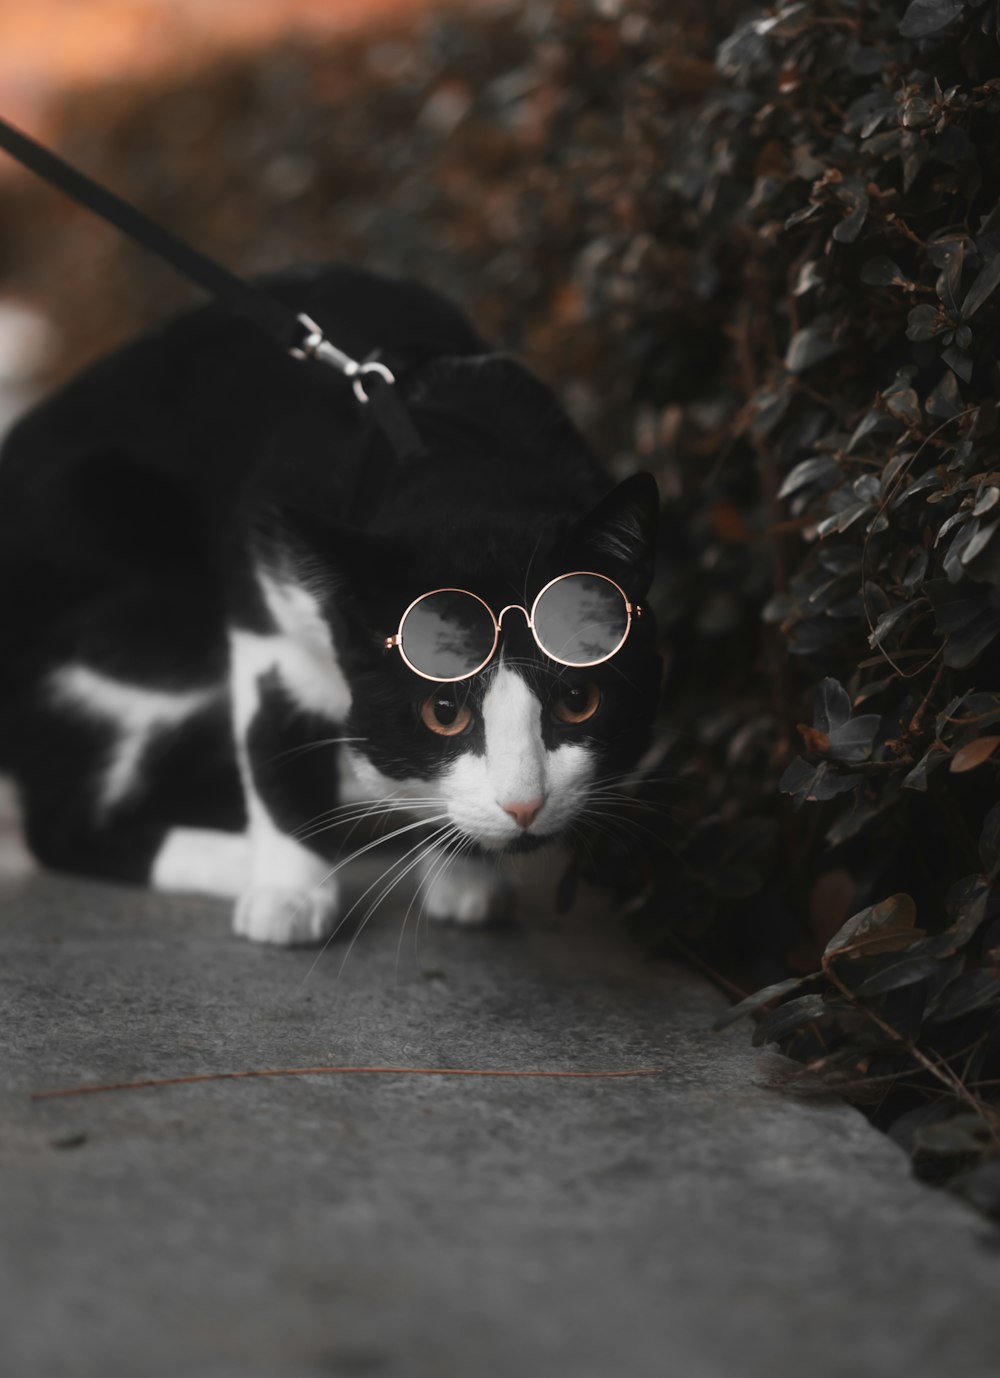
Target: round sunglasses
(577, 619)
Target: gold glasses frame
(631, 610)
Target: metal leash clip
(315, 345)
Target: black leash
(297, 334)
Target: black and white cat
(203, 548)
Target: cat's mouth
(527, 842)
(514, 846)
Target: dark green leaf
(924, 322)
(984, 286)
(946, 399)
(873, 420)
(978, 542)
(901, 971)
(809, 471)
(794, 1014)
(967, 644)
(925, 17)
(886, 623)
(934, 756)
(971, 991)
(986, 501)
(898, 913)
(832, 707)
(759, 999)
(903, 403)
(853, 740)
(950, 278)
(811, 345)
(882, 272)
(850, 227)
(959, 361)
(844, 519)
(828, 783)
(971, 904)
(798, 775)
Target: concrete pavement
(698, 1223)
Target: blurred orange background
(48, 45)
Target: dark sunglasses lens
(448, 635)
(581, 619)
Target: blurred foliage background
(757, 252)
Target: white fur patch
(516, 768)
(135, 713)
(289, 895)
(301, 651)
(202, 861)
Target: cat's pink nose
(524, 814)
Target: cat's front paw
(468, 893)
(287, 918)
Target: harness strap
(295, 333)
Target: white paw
(287, 918)
(467, 892)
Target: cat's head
(519, 751)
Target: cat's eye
(575, 703)
(443, 714)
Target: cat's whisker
(618, 829)
(371, 809)
(592, 832)
(426, 884)
(626, 808)
(376, 842)
(389, 801)
(422, 849)
(579, 835)
(630, 795)
(418, 847)
(344, 814)
(451, 858)
(359, 813)
(627, 802)
(391, 804)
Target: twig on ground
(332, 1071)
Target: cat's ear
(619, 535)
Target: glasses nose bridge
(513, 607)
